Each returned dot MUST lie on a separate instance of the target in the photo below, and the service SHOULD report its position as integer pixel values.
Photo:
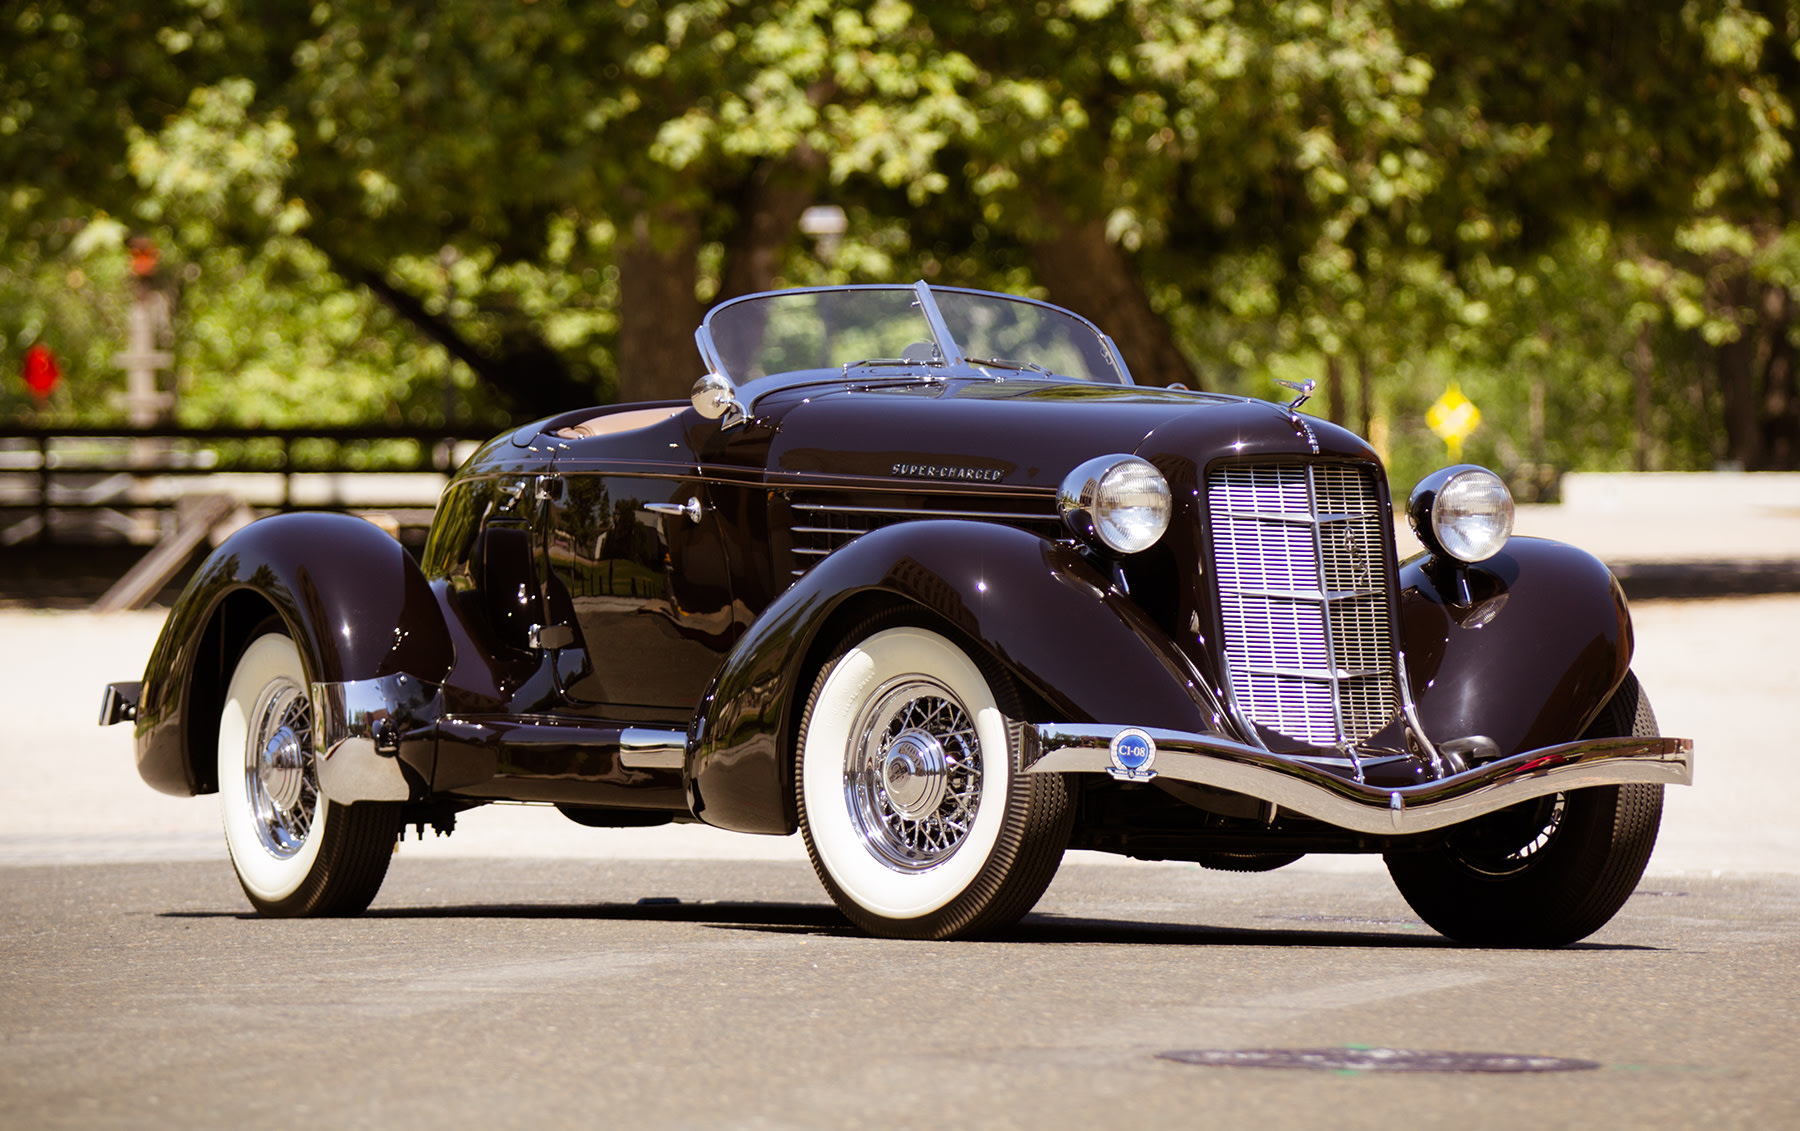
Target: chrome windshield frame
(949, 350)
(948, 347)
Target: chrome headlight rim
(1119, 503)
(1463, 512)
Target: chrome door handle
(691, 510)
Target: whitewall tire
(912, 807)
(295, 852)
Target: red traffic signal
(41, 373)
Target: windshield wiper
(873, 362)
(1005, 364)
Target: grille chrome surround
(819, 528)
(1300, 561)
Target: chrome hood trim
(1057, 748)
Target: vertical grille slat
(1299, 559)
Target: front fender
(1525, 651)
(352, 598)
(1038, 608)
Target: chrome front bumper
(1055, 748)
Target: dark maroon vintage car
(921, 574)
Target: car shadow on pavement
(1039, 928)
(1059, 930)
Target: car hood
(1021, 433)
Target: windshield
(795, 330)
(998, 329)
(904, 327)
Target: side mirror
(715, 398)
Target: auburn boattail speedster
(921, 574)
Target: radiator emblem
(1133, 753)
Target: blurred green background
(1580, 214)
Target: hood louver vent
(819, 527)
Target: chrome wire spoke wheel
(280, 778)
(914, 811)
(295, 851)
(912, 777)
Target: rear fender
(352, 598)
(1037, 608)
(1523, 649)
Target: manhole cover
(1377, 1060)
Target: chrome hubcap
(915, 773)
(280, 781)
(912, 776)
(282, 769)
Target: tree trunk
(1365, 395)
(1641, 367)
(769, 203)
(1543, 477)
(1780, 402)
(1093, 276)
(1334, 388)
(657, 309)
(1736, 365)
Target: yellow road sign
(1452, 418)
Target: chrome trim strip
(1310, 595)
(1118, 359)
(1444, 763)
(1294, 785)
(844, 482)
(645, 749)
(358, 726)
(703, 340)
(1306, 520)
(1320, 675)
(1203, 693)
(914, 512)
(1327, 619)
(1232, 705)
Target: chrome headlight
(1120, 501)
(1465, 512)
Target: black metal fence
(96, 483)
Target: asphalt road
(514, 975)
(536, 993)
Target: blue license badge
(1133, 753)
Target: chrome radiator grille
(1300, 566)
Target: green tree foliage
(1581, 213)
